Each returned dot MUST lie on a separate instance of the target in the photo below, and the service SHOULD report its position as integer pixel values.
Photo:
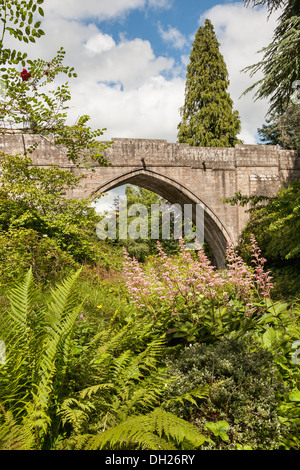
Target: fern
(201, 392)
(127, 382)
(94, 389)
(21, 300)
(122, 403)
(14, 436)
(63, 312)
(129, 401)
(158, 430)
(75, 412)
(37, 340)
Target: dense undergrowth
(101, 351)
(95, 364)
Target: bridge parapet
(157, 152)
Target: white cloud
(107, 200)
(121, 85)
(131, 63)
(148, 111)
(173, 36)
(88, 9)
(96, 57)
(166, 4)
(99, 9)
(125, 87)
(99, 43)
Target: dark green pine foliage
(207, 117)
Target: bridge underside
(214, 233)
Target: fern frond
(120, 364)
(152, 353)
(177, 429)
(16, 329)
(110, 339)
(14, 436)
(21, 300)
(130, 366)
(126, 435)
(94, 389)
(77, 442)
(62, 299)
(201, 392)
(158, 430)
(146, 396)
(75, 412)
(37, 344)
(64, 311)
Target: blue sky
(182, 15)
(149, 22)
(131, 58)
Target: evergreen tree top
(205, 53)
(208, 119)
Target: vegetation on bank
(107, 352)
(101, 350)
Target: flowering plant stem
(188, 289)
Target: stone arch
(215, 233)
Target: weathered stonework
(181, 174)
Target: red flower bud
(25, 75)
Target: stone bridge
(181, 174)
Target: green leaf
(295, 395)
(269, 337)
(219, 429)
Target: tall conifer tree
(207, 117)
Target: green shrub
(286, 278)
(24, 248)
(244, 392)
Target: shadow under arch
(215, 233)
